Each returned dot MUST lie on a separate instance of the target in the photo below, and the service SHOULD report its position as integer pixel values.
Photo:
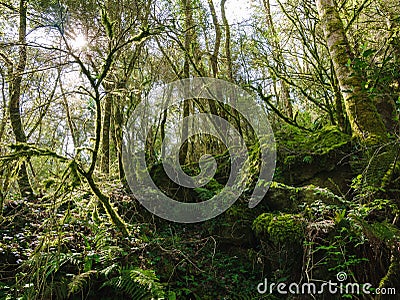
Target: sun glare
(79, 42)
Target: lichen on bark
(365, 121)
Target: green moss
(392, 275)
(280, 228)
(299, 147)
(310, 194)
(394, 169)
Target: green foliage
(384, 231)
(204, 194)
(74, 255)
(338, 255)
(308, 159)
(79, 281)
(339, 243)
(376, 168)
(62, 244)
(136, 283)
(280, 228)
(211, 189)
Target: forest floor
(319, 219)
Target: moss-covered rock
(281, 236)
(280, 228)
(281, 197)
(314, 158)
(320, 142)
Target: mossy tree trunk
(105, 144)
(365, 121)
(340, 114)
(187, 9)
(227, 41)
(14, 106)
(218, 35)
(118, 133)
(229, 64)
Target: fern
(136, 282)
(79, 281)
(57, 290)
(107, 271)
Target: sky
(236, 10)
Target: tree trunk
(214, 56)
(228, 55)
(4, 114)
(118, 124)
(227, 41)
(70, 122)
(338, 104)
(186, 73)
(365, 121)
(105, 146)
(14, 107)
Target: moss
(391, 279)
(377, 168)
(302, 156)
(310, 194)
(301, 144)
(204, 194)
(280, 228)
(284, 198)
(393, 170)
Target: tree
(365, 121)
(188, 40)
(15, 95)
(275, 42)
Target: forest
(199, 149)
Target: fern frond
(128, 286)
(79, 281)
(137, 283)
(107, 271)
(57, 290)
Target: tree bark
(217, 44)
(14, 106)
(338, 104)
(365, 121)
(105, 146)
(186, 74)
(70, 122)
(228, 55)
(118, 124)
(4, 114)
(227, 41)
